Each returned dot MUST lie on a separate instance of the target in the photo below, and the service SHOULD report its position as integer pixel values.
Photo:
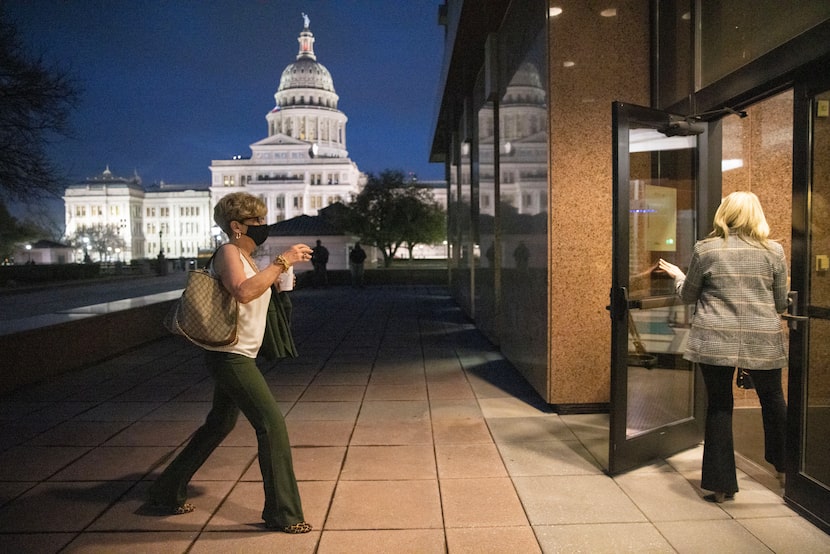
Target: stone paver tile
(492, 540)
(788, 534)
(481, 503)
(79, 433)
(551, 500)
(119, 411)
(386, 410)
(320, 411)
(34, 542)
(385, 505)
(464, 408)
(147, 543)
(664, 496)
(548, 458)
(333, 393)
(399, 541)
(393, 432)
(602, 538)
(469, 460)
(533, 428)
(378, 463)
(36, 463)
(116, 463)
(319, 433)
(710, 536)
(154, 433)
(416, 391)
(61, 507)
(355, 378)
(257, 542)
(461, 431)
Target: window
(298, 202)
(228, 180)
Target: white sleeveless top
(251, 327)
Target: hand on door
(671, 269)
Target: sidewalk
(410, 433)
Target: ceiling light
(609, 12)
(568, 64)
(554, 11)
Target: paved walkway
(410, 433)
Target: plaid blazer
(739, 290)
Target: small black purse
(743, 380)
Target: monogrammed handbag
(206, 314)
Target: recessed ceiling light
(609, 12)
(568, 64)
(554, 11)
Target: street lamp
(86, 250)
(29, 252)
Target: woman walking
(737, 279)
(239, 384)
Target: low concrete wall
(37, 354)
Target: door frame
(803, 494)
(628, 453)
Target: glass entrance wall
(816, 455)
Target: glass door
(808, 477)
(656, 399)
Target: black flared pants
(718, 472)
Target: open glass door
(808, 476)
(656, 398)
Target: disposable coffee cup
(286, 280)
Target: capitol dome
(306, 73)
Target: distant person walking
(356, 258)
(319, 259)
(737, 279)
(238, 383)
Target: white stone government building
(300, 167)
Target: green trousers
(240, 386)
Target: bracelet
(281, 261)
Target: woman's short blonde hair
(741, 213)
(237, 206)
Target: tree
(35, 105)
(100, 238)
(14, 232)
(390, 212)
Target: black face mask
(258, 233)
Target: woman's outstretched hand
(671, 269)
(297, 253)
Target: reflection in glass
(661, 225)
(523, 205)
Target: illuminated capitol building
(300, 167)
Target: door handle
(792, 316)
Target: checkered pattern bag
(206, 314)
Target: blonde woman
(239, 384)
(737, 279)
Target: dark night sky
(170, 85)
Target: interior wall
(594, 60)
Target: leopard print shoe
(295, 529)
